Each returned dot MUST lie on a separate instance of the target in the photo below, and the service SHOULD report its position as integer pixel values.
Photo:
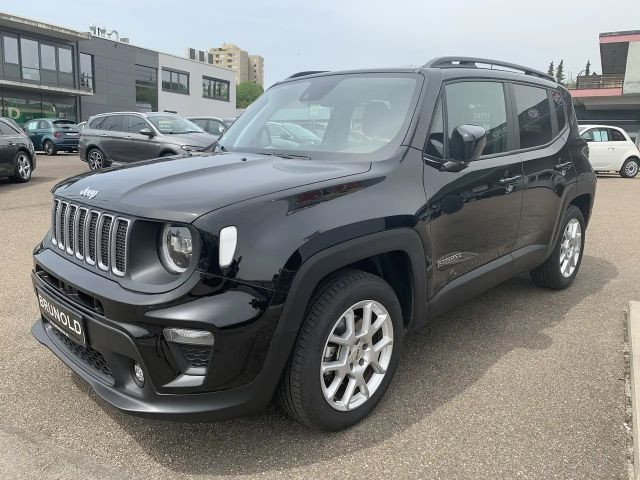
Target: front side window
(136, 123)
(30, 59)
(596, 135)
(354, 116)
(172, 124)
(534, 118)
(481, 104)
(10, 52)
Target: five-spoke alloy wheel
(346, 353)
(23, 168)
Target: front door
(474, 212)
(602, 152)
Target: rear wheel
(562, 266)
(96, 160)
(346, 354)
(630, 168)
(49, 148)
(22, 168)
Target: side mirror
(147, 132)
(467, 143)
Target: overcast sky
(295, 35)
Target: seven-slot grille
(92, 236)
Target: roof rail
(471, 62)
(304, 74)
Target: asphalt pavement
(518, 383)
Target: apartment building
(247, 68)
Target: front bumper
(244, 367)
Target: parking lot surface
(517, 383)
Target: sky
(297, 35)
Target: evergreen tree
(551, 70)
(560, 73)
(587, 68)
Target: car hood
(183, 188)
(197, 139)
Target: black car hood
(183, 188)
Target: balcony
(599, 81)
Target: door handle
(509, 180)
(563, 166)
(611, 148)
(127, 136)
(103, 134)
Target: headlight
(176, 248)
(192, 148)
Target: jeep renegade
(202, 286)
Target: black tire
(167, 154)
(49, 148)
(97, 160)
(549, 274)
(630, 168)
(300, 392)
(22, 167)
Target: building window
(47, 57)
(30, 60)
(65, 62)
(215, 88)
(86, 71)
(10, 50)
(177, 82)
(146, 89)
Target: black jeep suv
(200, 287)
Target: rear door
(474, 212)
(548, 169)
(113, 130)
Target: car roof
(142, 114)
(203, 117)
(581, 126)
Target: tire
(551, 274)
(630, 168)
(304, 392)
(49, 148)
(23, 167)
(97, 160)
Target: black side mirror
(467, 143)
(147, 132)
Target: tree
(587, 68)
(551, 70)
(246, 93)
(560, 73)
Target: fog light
(188, 336)
(138, 375)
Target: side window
(558, 104)
(201, 122)
(43, 125)
(434, 146)
(115, 123)
(534, 118)
(5, 130)
(97, 123)
(597, 135)
(30, 126)
(616, 136)
(481, 104)
(136, 123)
(216, 127)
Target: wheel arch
(95, 147)
(167, 152)
(378, 253)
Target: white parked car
(611, 149)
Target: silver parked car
(126, 137)
(213, 125)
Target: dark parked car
(131, 136)
(17, 155)
(53, 136)
(213, 125)
(200, 289)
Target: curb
(634, 367)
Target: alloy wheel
(48, 148)
(570, 247)
(631, 168)
(356, 355)
(24, 166)
(95, 160)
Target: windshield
(172, 124)
(351, 115)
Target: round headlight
(176, 248)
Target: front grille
(197, 356)
(88, 356)
(95, 237)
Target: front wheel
(562, 266)
(23, 168)
(630, 168)
(346, 353)
(49, 148)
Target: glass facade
(146, 89)
(22, 106)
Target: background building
(247, 68)
(612, 98)
(54, 72)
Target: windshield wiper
(287, 155)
